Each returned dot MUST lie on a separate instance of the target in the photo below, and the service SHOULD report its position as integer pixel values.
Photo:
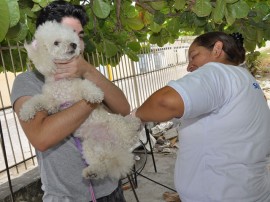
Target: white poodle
(106, 138)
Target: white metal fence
(137, 80)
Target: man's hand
(73, 68)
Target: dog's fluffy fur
(106, 138)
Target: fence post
(135, 85)
(6, 161)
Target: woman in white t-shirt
(225, 124)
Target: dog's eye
(56, 43)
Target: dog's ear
(34, 44)
(30, 47)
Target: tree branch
(118, 10)
(145, 6)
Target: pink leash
(79, 147)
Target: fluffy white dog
(106, 138)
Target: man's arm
(114, 97)
(45, 131)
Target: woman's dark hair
(57, 10)
(232, 44)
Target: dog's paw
(91, 92)
(87, 174)
(27, 112)
(52, 109)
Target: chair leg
(133, 188)
(150, 144)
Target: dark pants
(116, 196)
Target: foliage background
(118, 27)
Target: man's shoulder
(29, 76)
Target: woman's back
(224, 137)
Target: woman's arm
(45, 131)
(163, 105)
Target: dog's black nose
(73, 45)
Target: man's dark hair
(57, 10)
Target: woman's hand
(74, 68)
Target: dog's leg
(35, 104)
(91, 92)
(95, 170)
(94, 155)
(90, 172)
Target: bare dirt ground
(263, 73)
(264, 81)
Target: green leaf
(4, 19)
(202, 8)
(141, 36)
(147, 18)
(101, 9)
(267, 34)
(130, 11)
(239, 9)
(171, 40)
(154, 38)
(179, 4)
(198, 22)
(165, 10)
(18, 32)
(27, 12)
(260, 36)
(89, 45)
(231, 1)
(160, 38)
(90, 24)
(110, 48)
(219, 11)
(133, 56)
(229, 18)
(122, 37)
(43, 3)
(250, 45)
(159, 18)
(135, 23)
(262, 10)
(134, 45)
(14, 12)
(165, 35)
(36, 8)
(173, 26)
(158, 5)
(250, 33)
(155, 27)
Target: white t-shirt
(224, 137)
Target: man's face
(76, 25)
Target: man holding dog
(59, 160)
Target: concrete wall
(26, 188)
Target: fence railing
(138, 80)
